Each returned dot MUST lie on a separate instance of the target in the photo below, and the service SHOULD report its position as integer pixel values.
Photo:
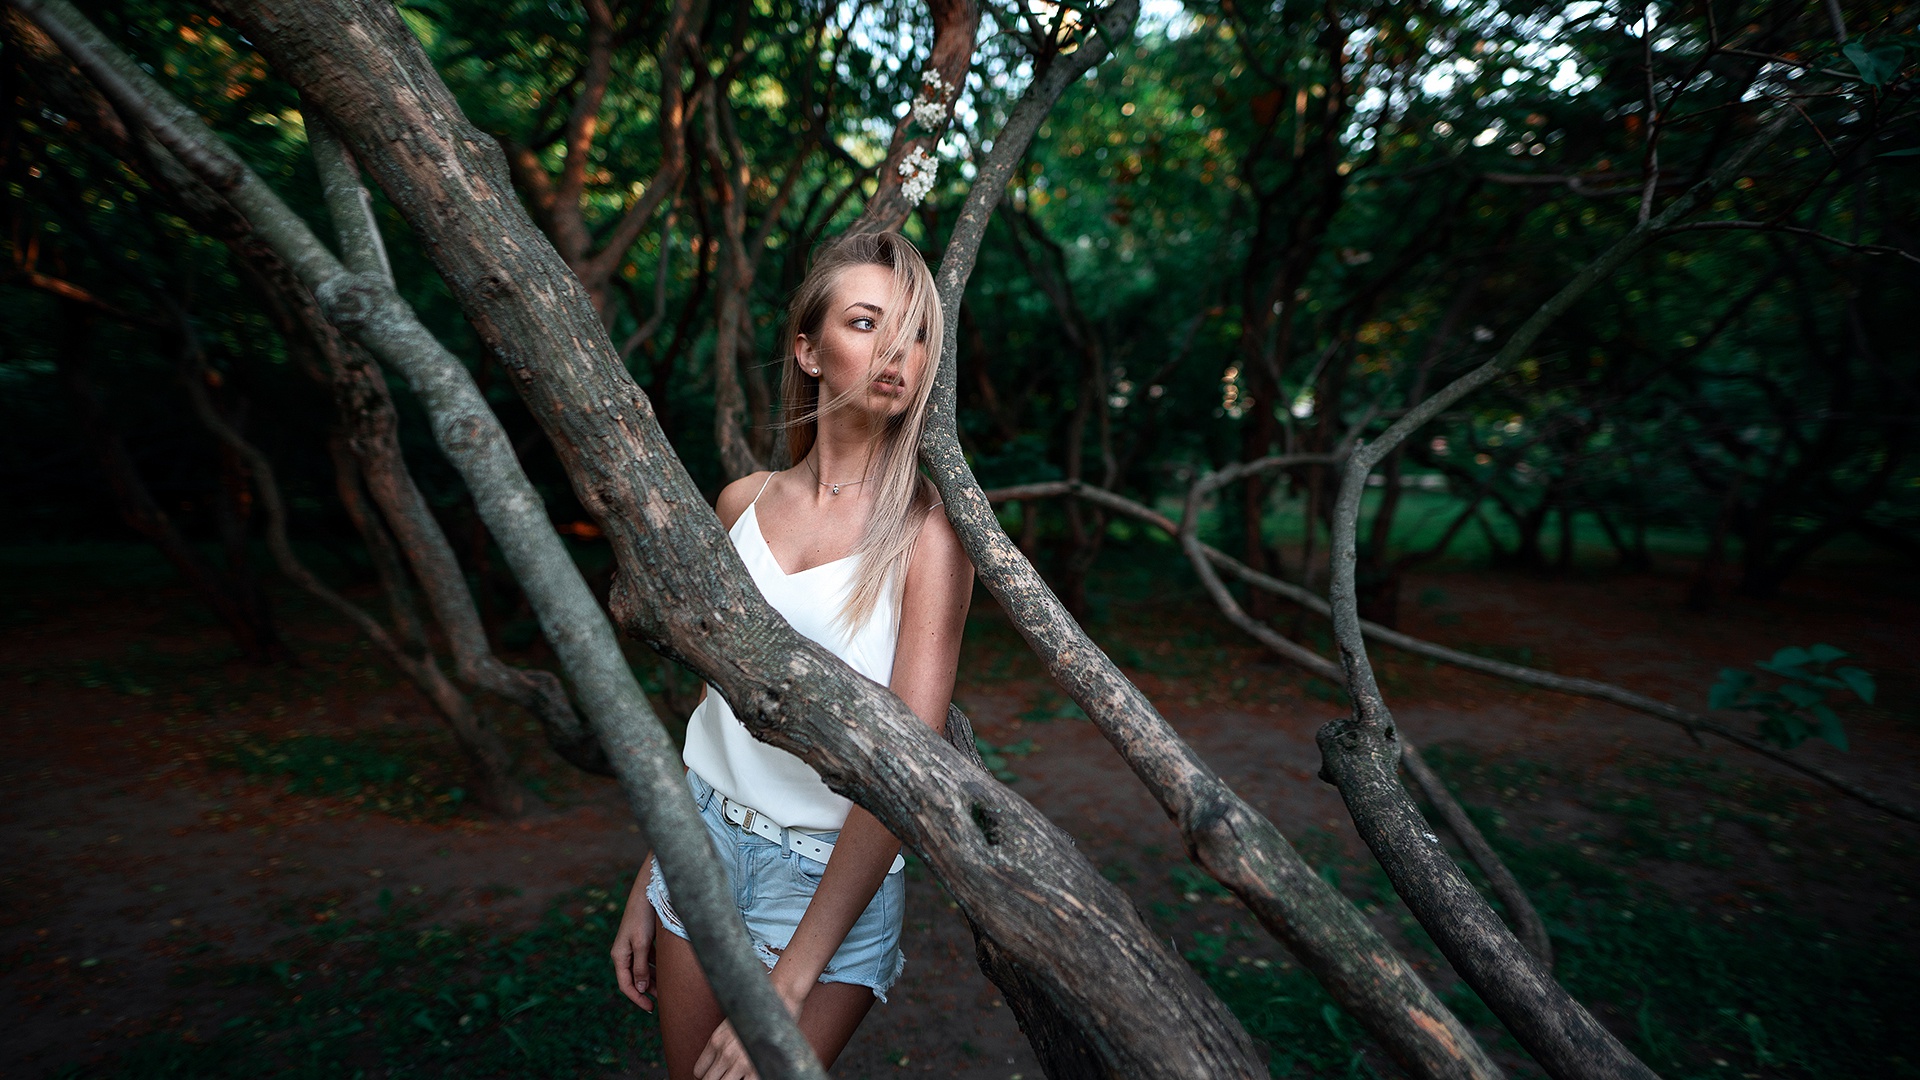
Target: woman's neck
(842, 454)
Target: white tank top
(719, 747)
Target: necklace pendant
(836, 489)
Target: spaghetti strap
(763, 488)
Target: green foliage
(1796, 705)
(393, 996)
(996, 757)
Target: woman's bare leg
(688, 1012)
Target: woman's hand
(725, 1057)
(633, 944)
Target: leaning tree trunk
(474, 441)
(1224, 835)
(370, 428)
(681, 583)
(1362, 756)
(683, 588)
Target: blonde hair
(912, 316)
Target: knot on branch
(987, 822)
(632, 613)
(349, 300)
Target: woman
(850, 547)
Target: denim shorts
(773, 886)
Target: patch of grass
(1706, 990)
(1772, 990)
(1302, 1031)
(1719, 990)
(401, 773)
(390, 996)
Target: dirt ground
(135, 848)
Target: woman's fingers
(724, 1058)
(633, 957)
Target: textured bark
(366, 408)
(1521, 914)
(1361, 756)
(474, 441)
(680, 581)
(1063, 1051)
(1224, 835)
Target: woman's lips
(886, 385)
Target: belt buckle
(748, 823)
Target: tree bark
(680, 582)
(1361, 755)
(1224, 835)
(477, 445)
(1064, 1052)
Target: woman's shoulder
(737, 496)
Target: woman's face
(842, 353)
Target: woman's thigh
(689, 1013)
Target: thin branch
(1795, 230)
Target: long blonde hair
(912, 316)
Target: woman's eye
(863, 323)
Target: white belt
(746, 817)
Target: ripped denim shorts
(773, 886)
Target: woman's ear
(803, 352)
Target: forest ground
(220, 869)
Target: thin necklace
(832, 488)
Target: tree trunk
(1013, 871)
(1361, 755)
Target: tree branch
(472, 438)
(1360, 754)
(1224, 835)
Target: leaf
(1825, 654)
(1877, 67)
(1860, 682)
(1804, 696)
(1830, 728)
(1911, 151)
(1791, 656)
(1726, 694)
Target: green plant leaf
(1911, 151)
(1877, 67)
(1791, 656)
(1858, 681)
(1804, 696)
(1825, 654)
(1830, 728)
(1726, 694)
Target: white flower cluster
(919, 168)
(930, 105)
